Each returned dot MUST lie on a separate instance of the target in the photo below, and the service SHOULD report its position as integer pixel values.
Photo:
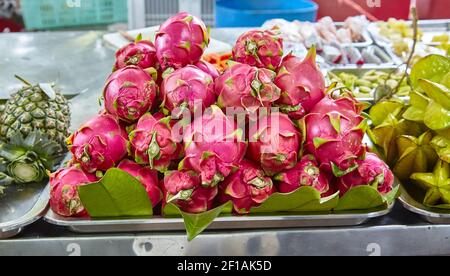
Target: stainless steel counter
(79, 62)
(400, 233)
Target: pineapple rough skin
(31, 109)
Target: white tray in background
(116, 40)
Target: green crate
(50, 14)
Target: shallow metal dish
(365, 34)
(360, 72)
(159, 224)
(428, 27)
(21, 205)
(386, 55)
(432, 215)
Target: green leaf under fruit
(304, 199)
(360, 198)
(195, 224)
(325, 204)
(117, 194)
(390, 197)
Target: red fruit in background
(141, 54)
(242, 85)
(181, 40)
(100, 144)
(274, 143)
(263, 49)
(147, 177)
(64, 198)
(213, 146)
(129, 93)
(152, 142)
(305, 173)
(302, 85)
(185, 190)
(371, 171)
(246, 188)
(182, 88)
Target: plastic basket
(49, 14)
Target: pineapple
(36, 107)
(34, 124)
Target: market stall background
(148, 12)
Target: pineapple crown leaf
(48, 89)
(35, 143)
(24, 81)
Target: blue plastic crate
(50, 14)
(253, 13)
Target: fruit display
(413, 137)
(322, 32)
(345, 44)
(395, 30)
(34, 124)
(399, 35)
(442, 41)
(364, 86)
(177, 138)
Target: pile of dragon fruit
(166, 121)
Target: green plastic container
(51, 14)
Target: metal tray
(159, 224)
(365, 34)
(21, 205)
(367, 41)
(432, 215)
(426, 26)
(389, 59)
(361, 71)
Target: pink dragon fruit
(129, 93)
(334, 135)
(64, 198)
(147, 177)
(184, 189)
(302, 85)
(346, 105)
(246, 188)
(263, 49)
(185, 86)
(152, 142)
(371, 171)
(140, 53)
(305, 173)
(274, 143)
(248, 87)
(208, 68)
(100, 144)
(181, 40)
(213, 146)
